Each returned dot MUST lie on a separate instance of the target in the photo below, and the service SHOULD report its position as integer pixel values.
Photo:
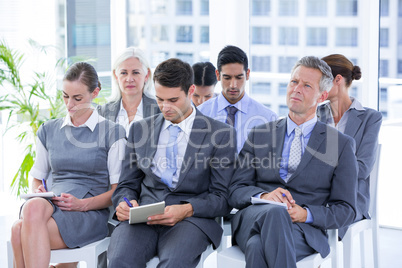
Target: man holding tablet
(183, 158)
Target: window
(204, 34)
(316, 37)
(159, 7)
(399, 66)
(400, 8)
(288, 7)
(261, 36)
(288, 36)
(261, 63)
(353, 92)
(316, 8)
(184, 34)
(346, 7)
(384, 8)
(160, 33)
(262, 88)
(383, 94)
(384, 37)
(204, 5)
(283, 110)
(346, 37)
(286, 64)
(282, 89)
(187, 57)
(383, 68)
(184, 7)
(260, 7)
(158, 57)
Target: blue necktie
(294, 153)
(171, 154)
(230, 119)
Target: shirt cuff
(259, 195)
(309, 216)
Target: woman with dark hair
(83, 153)
(204, 81)
(348, 115)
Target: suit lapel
(196, 138)
(354, 122)
(316, 139)
(147, 105)
(152, 145)
(280, 136)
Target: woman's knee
(16, 233)
(36, 210)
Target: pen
(44, 184)
(128, 202)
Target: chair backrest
(374, 184)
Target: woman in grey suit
(131, 90)
(348, 115)
(83, 152)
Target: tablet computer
(141, 213)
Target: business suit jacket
(203, 180)
(111, 109)
(363, 126)
(324, 181)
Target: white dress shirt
(41, 167)
(122, 116)
(159, 163)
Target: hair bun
(356, 73)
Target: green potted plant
(25, 98)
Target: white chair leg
(348, 251)
(10, 255)
(375, 246)
(364, 258)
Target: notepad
(47, 195)
(141, 213)
(259, 201)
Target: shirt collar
(186, 125)
(306, 127)
(356, 105)
(94, 119)
(241, 105)
(139, 108)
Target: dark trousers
(178, 246)
(269, 238)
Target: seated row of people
(202, 162)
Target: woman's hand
(70, 203)
(40, 189)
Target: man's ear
(323, 97)
(248, 74)
(218, 76)
(191, 90)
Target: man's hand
(123, 210)
(280, 195)
(172, 215)
(297, 213)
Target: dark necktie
(230, 119)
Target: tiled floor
(390, 239)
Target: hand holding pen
(123, 209)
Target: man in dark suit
(193, 180)
(300, 162)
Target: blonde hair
(130, 52)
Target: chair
(88, 254)
(233, 257)
(153, 263)
(364, 226)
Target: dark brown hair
(84, 73)
(174, 73)
(204, 74)
(341, 65)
